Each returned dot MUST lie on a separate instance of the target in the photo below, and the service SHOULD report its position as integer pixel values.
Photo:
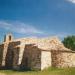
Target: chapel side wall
(63, 59)
(45, 59)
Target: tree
(69, 42)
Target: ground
(50, 71)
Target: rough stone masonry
(34, 53)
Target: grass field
(50, 71)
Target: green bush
(69, 42)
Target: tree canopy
(69, 42)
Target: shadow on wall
(12, 55)
(30, 55)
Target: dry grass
(50, 71)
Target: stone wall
(16, 58)
(35, 53)
(11, 53)
(21, 51)
(4, 53)
(63, 59)
(45, 59)
(31, 57)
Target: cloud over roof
(20, 27)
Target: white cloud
(22, 28)
(72, 1)
(19, 27)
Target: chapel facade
(34, 53)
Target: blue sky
(37, 18)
